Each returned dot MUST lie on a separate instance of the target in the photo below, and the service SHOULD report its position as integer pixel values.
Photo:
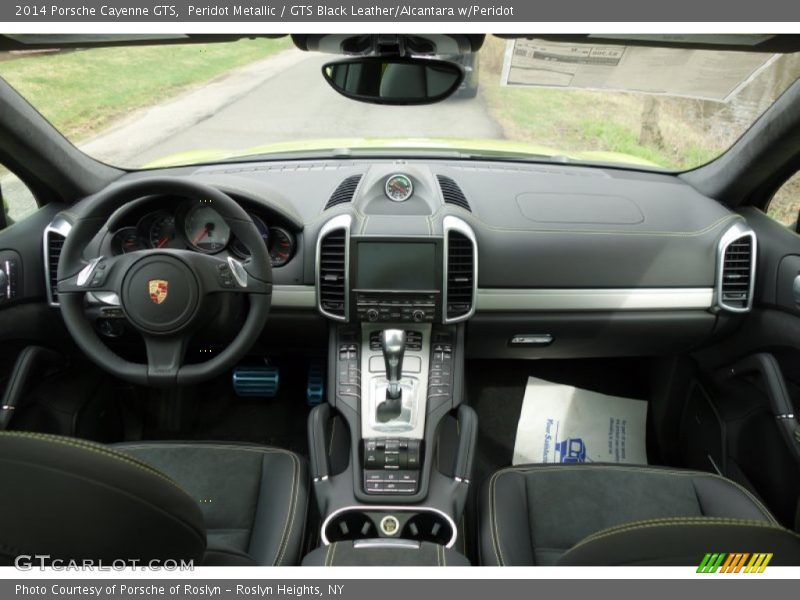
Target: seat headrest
(74, 499)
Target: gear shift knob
(393, 343)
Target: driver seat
(213, 503)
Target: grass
(583, 120)
(82, 92)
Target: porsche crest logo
(158, 289)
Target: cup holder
(410, 523)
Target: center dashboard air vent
(461, 270)
(736, 269)
(345, 192)
(451, 192)
(54, 236)
(332, 267)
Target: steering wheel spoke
(227, 275)
(100, 274)
(165, 356)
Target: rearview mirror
(382, 80)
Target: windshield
(146, 106)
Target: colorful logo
(158, 289)
(738, 562)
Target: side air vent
(451, 192)
(332, 265)
(54, 236)
(345, 192)
(736, 270)
(461, 270)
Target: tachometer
(281, 246)
(205, 229)
(126, 240)
(399, 188)
(162, 232)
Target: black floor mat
(495, 389)
(214, 412)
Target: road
(281, 99)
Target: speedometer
(399, 188)
(205, 229)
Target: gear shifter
(393, 344)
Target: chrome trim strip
(737, 231)
(107, 298)
(497, 300)
(338, 222)
(294, 296)
(382, 507)
(237, 269)
(86, 272)
(62, 227)
(372, 543)
(451, 223)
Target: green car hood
(492, 147)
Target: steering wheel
(162, 292)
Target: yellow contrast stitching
(333, 554)
(97, 449)
(495, 533)
(293, 501)
(645, 469)
(652, 523)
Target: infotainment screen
(396, 266)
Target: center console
(391, 450)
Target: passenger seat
(599, 514)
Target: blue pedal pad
(315, 388)
(256, 382)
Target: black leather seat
(622, 515)
(216, 504)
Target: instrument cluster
(197, 226)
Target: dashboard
(537, 260)
(184, 224)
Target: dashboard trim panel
(502, 300)
(294, 296)
(498, 300)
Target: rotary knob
(418, 316)
(372, 315)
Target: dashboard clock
(399, 188)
